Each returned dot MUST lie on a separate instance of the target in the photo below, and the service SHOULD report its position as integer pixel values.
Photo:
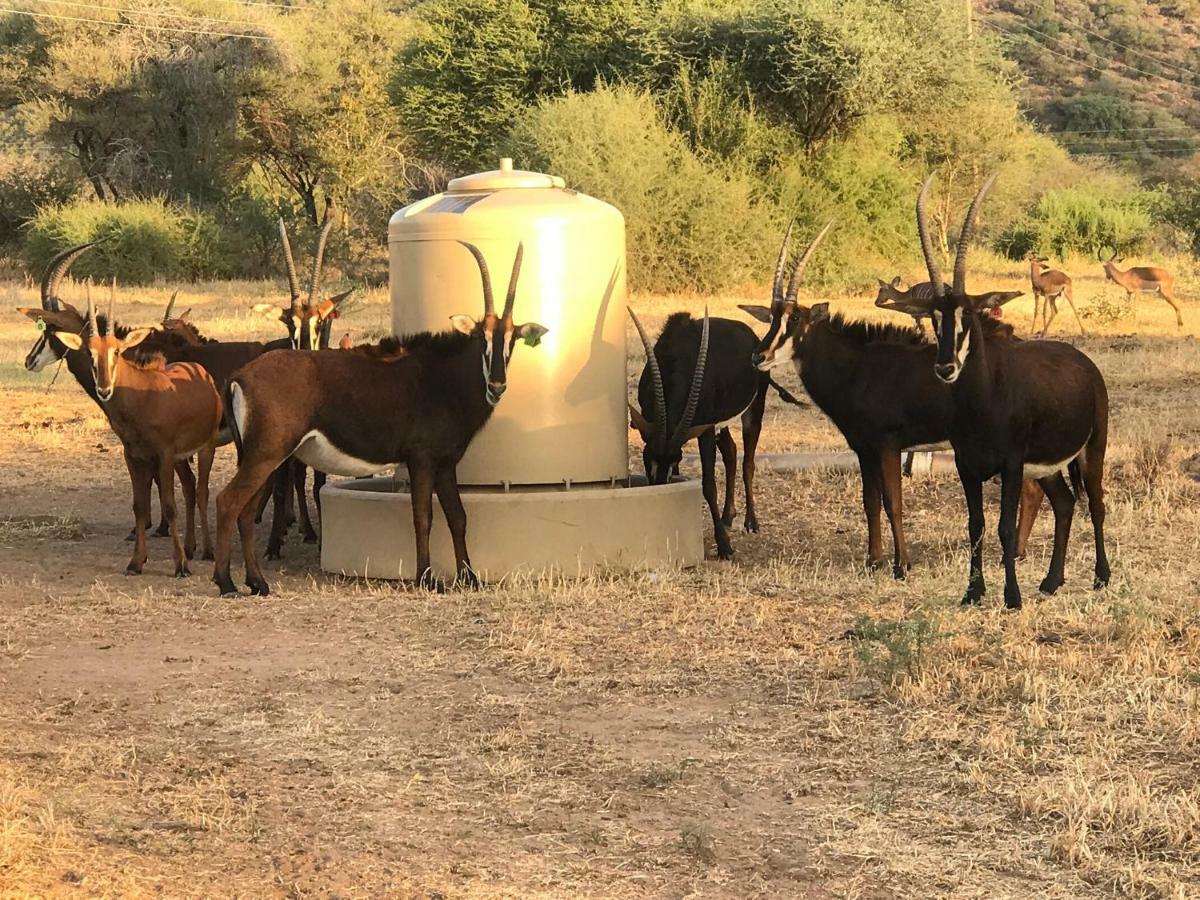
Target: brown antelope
(162, 414)
(1048, 285)
(56, 316)
(355, 413)
(1142, 280)
(1021, 409)
(876, 383)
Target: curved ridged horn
(660, 394)
(92, 323)
(931, 263)
(112, 302)
(56, 270)
(511, 297)
(798, 269)
(964, 238)
(489, 302)
(290, 264)
(314, 284)
(781, 263)
(693, 399)
(170, 308)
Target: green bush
(142, 241)
(1077, 220)
(690, 225)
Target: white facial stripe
(41, 355)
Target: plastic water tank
(563, 417)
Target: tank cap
(504, 177)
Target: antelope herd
(1022, 410)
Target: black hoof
(183, 572)
(208, 556)
(1050, 585)
(189, 552)
(750, 526)
(974, 595)
(275, 553)
(725, 553)
(133, 569)
(163, 530)
(899, 572)
(727, 520)
(258, 587)
(874, 565)
(468, 580)
(1012, 598)
(225, 585)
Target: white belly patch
(735, 419)
(1041, 470)
(317, 451)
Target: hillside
(1116, 78)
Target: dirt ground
(786, 725)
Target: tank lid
(504, 177)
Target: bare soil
(786, 725)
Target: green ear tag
(532, 339)
(41, 324)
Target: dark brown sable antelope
(1142, 280)
(309, 323)
(1048, 285)
(57, 316)
(1022, 409)
(698, 376)
(420, 401)
(876, 383)
(162, 414)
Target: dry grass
(786, 725)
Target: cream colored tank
(563, 417)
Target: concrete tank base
(367, 529)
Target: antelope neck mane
(875, 332)
(192, 330)
(438, 343)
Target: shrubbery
(1075, 220)
(142, 241)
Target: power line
(1141, 53)
(1057, 40)
(1121, 130)
(1077, 62)
(123, 25)
(199, 20)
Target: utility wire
(1057, 40)
(124, 10)
(1142, 53)
(126, 25)
(1119, 130)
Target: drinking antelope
(1142, 280)
(915, 301)
(162, 414)
(420, 401)
(876, 383)
(1021, 409)
(1048, 285)
(698, 375)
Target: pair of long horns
(56, 271)
(777, 291)
(662, 441)
(964, 240)
(489, 301)
(314, 284)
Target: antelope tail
(784, 394)
(231, 419)
(1076, 480)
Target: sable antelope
(698, 376)
(162, 414)
(1021, 410)
(876, 383)
(1049, 284)
(428, 396)
(1142, 280)
(309, 324)
(57, 316)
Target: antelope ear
(136, 337)
(896, 281)
(70, 340)
(531, 333)
(638, 421)
(463, 324)
(818, 312)
(762, 313)
(345, 343)
(47, 318)
(695, 431)
(330, 306)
